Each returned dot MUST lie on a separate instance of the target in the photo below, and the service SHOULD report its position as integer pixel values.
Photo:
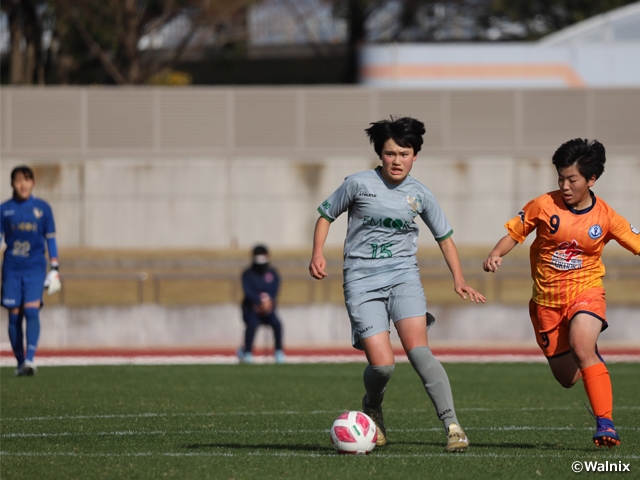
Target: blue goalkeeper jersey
(382, 233)
(255, 282)
(26, 226)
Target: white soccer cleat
(29, 368)
(457, 440)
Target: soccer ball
(354, 433)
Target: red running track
(302, 352)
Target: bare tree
(541, 17)
(25, 26)
(112, 31)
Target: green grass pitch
(272, 421)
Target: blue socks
(15, 336)
(33, 331)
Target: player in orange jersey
(568, 309)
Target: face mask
(260, 264)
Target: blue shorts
(22, 286)
(370, 311)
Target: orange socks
(597, 384)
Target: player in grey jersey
(381, 277)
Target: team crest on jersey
(595, 231)
(634, 230)
(414, 202)
(521, 215)
(567, 256)
(269, 277)
(37, 212)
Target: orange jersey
(565, 256)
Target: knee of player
(584, 354)
(251, 319)
(419, 354)
(384, 371)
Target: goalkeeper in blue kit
(26, 223)
(381, 277)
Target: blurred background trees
(119, 41)
(248, 41)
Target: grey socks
(436, 383)
(375, 383)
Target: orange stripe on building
(484, 71)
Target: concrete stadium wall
(154, 326)
(235, 202)
(229, 167)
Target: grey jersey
(382, 233)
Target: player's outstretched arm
(450, 253)
(494, 260)
(318, 265)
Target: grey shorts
(370, 311)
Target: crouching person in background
(260, 284)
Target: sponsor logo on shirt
(367, 194)
(37, 212)
(7, 213)
(595, 231)
(634, 229)
(521, 215)
(396, 224)
(27, 227)
(567, 257)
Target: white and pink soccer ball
(354, 433)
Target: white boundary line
(284, 412)
(511, 428)
(293, 359)
(328, 454)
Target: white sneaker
(29, 368)
(457, 440)
(280, 356)
(244, 357)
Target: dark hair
(588, 156)
(260, 250)
(406, 132)
(24, 170)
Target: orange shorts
(551, 325)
